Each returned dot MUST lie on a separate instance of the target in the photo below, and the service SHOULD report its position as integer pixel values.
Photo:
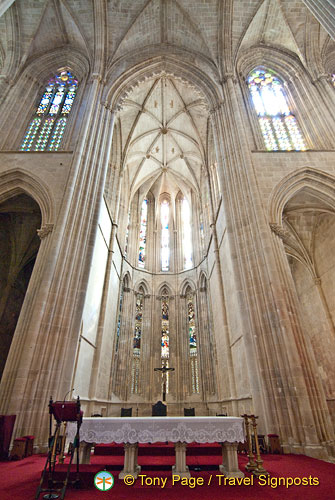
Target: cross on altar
(164, 369)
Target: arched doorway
(309, 225)
(20, 217)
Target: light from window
(46, 129)
(187, 234)
(165, 343)
(192, 343)
(165, 328)
(165, 236)
(333, 79)
(127, 235)
(119, 321)
(279, 127)
(143, 233)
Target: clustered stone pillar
(273, 334)
(46, 339)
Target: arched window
(187, 234)
(119, 320)
(143, 233)
(165, 236)
(165, 342)
(192, 336)
(137, 343)
(46, 129)
(127, 235)
(333, 79)
(279, 127)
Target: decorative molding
(45, 230)
(278, 230)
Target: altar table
(228, 431)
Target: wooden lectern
(60, 411)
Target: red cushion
(273, 435)
(29, 438)
(19, 439)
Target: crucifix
(164, 369)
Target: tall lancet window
(165, 236)
(143, 233)
(127, 235)
(192, 335)
(187, 234)
(119, 320)
(279, 127)
(165, 342)
(135, 372)
(46, 129)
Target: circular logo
(103, 480)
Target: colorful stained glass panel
(165, 328)
(279, 127)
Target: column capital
(278, 230)
(45, 230)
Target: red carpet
(19, 479)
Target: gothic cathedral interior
(167, 211)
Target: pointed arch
(186, 285)
(317, 182)
(18, 181)
(203, 280)
(165, 289)
(142, 284)
(126, 280)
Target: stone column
(42, 357)
(276, 351)
(123, 358)
(4, 5)
(206, 346)
(324, 11)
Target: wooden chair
(159, 409)
(189, 412)
(126, 412)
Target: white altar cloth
(159, 429)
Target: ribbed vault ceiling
(163, 127)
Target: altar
(228, 431)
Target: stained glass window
(46, 129)
(192, 343)
(127, 235)
(165, 328)
(165, 237)
(187, 234)
(165, 342)
(137, 343)
(279, 127)
(143, 233)
(119, 321)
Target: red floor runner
(19, 480)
